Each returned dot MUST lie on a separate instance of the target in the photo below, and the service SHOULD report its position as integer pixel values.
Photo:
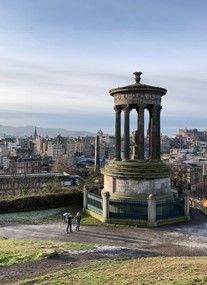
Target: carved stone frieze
(136, 98)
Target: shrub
(43, 201)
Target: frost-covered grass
(45, 216)
(33, 216)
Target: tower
(97, 152)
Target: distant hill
(43, 132)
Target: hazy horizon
(28, 130)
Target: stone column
(106, 197)
(85, 197)
(126, 132)
(149, 134)
(154, 133)
(98, 184)
(158, 132)
(151, 210)
(187, 205)
(118, 133)
(141, 131)
(135, 146)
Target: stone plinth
(137, 179)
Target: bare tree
(62, 164)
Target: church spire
(35, 133)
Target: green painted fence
(170, 209)
(94, 203)
(127, 209)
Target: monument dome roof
(138, 87)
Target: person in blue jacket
(78, 219)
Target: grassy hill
(46, 262)
(75, 270)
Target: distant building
(4, 154)
(164, 144)
(36, 180)
(20, 165)
(187, 175)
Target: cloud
(59, 59)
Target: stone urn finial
(137, 76)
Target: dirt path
(185, 239)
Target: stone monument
(136, 177)
(137, 186)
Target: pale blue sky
(59, 59)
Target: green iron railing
(136, 210)
(170, 209)
(94, 203)
(126, 209)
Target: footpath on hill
(181, 239)
(186, 238)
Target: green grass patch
(143, 271)
(18, 251)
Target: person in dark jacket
(69, 219)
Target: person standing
(69, 218)
(78, 219)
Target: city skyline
(59, 59)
